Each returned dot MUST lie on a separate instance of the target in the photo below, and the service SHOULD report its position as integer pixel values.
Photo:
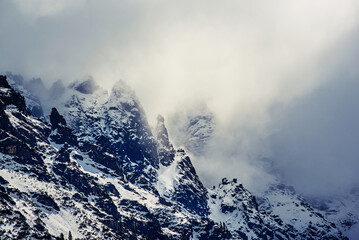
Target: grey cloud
(315, 145)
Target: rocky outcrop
(60, 133)
(166, 152)
(9, 97)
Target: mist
(258, 66)
(314, 138)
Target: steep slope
(177, 178)
(195, 127)
(281, 214)
(53, 193)
(342, 210)
(282, 201)
(33, 103)
(234, 206)
(99, 172)
(59, 184)
(116, 123)
(247, 217)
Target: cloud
(308, 140)
(35, 9)
(240, 57)
(315, 142)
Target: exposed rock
(10, 97)
(56, 119)
(166, 152)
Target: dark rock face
(190, 190)
(46, 200)
(116, 125)
(4, 120)
(10, 97)
(56, 119)
(60, 132)
(18, 142)
(37, 111)
(166, 152)
(138, 141)
(20, 150)
(3, 82)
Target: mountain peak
(123, 92)
(3, 82)
(120, 85)
(11, 97)
(160, 119)
(166, 151)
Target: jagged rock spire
(56, 119)
(166, 151)
(60, 132)
(3, 82)
(162, 133)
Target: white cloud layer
(241, 57)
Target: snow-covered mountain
(342, 210)
(195, 127)
(95, 170)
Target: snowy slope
(116, 121)
(100, 173)
(342, 210)
(60, 188)
(282, 201)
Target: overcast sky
(277, 74)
